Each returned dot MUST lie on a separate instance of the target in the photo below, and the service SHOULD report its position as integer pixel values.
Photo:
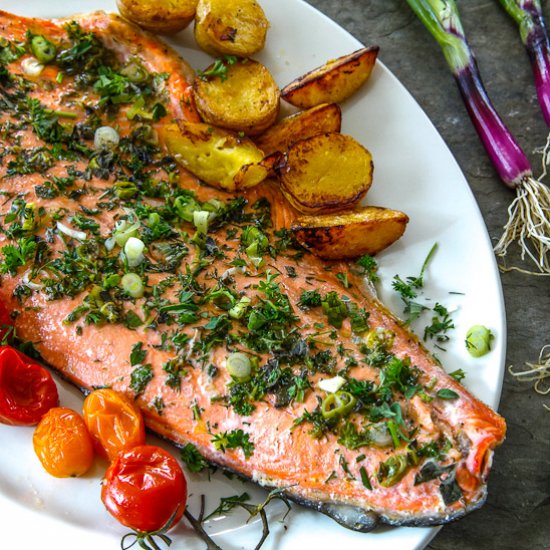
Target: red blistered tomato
(62, 443)
(145, 489)
(113, 421)
(27, 390)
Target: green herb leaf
(192, 458)
(365, 478)
(139, 378)
(446, 393)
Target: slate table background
(520, 480)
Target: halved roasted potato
(217, 157)
(334, 81)
(325, 173)
(350, 234)
(321, 119)
(244, 97)
(163, 16)
(233, 27)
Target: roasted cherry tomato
(27, 390)
(114, 422)
(62, 443)
(145, 489)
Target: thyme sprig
(228, 504)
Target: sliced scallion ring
(337, 405)
(238, 310)
(133, 285)
(31, 66)
(106, 138)
(200, 220)
(239, 366)
(44, 50)
(133, 250)
(124, 230)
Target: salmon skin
(229, 336)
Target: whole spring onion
(529, 213)
(532, 28)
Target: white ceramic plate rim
(414, 172)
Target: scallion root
(529, 222)
(536, 372)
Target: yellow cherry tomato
(62, 443)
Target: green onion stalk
(532, 29)
(529, 212)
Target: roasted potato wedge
(162, 16)
(233, 27)
(325, 173)
(333, 82)
(216, 156)
(244, 98)
(321, 119)
(350, 234)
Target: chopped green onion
(153, 220)
(31, 66)
(124, 230)
(106, 138)
(331, 385)
(379, 435)
(478, 340)
(337, 405)
(43, 49)
(185, 207)
(133, 250)
(239, 309)
(393, 470)
(200, 220)
(135, 73)
(79, 235)
(125, 189)
(133, 285)
(239, 366)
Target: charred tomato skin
(62, 443)
(114, 422)
(145, 489)
(27, 390)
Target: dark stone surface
(520, 479)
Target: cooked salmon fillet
(335, 402)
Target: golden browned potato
(216, 156)
(325, 173)
(321, 119)
(232, 27)
(163, 16)
(237, 94)
(350, 234)
(333, 82)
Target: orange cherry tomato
(27, 389)
(145, 489)
(63, 444)
(114, 422)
